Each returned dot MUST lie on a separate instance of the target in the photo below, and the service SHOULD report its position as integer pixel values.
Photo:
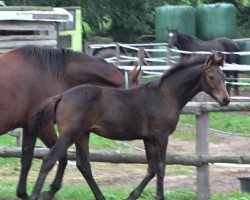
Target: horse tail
(45, 113)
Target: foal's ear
(219, 59)
(209, 61)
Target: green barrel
(244, 46)
(216, 20)
(174, 17)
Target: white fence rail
(145, 55)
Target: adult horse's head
(213, 79)
(172, 38)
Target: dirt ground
(222, 178)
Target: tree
(130, 19)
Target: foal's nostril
(226, 101)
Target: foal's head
(213, 79)
(172, 38)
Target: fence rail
(135, 158)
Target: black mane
(56, 60)
(182, 65)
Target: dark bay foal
(149, 112)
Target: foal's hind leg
(49, 138)
(156, 164)
(83, 164)
(26, 159)
(57, 152)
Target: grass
(234, 123)
(7, 191)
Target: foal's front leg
(150, 174)
(156, 153)
(83, 164)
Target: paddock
(201, 159)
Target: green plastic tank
(216, 20)
(174, 17)
(244, 46)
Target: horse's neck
(184, 85)
(95, 72)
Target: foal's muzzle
(224, 101)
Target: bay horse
(187, 42)
(149, 112)
(30, 74)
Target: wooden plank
(27, 37)
(202, 129)
(26, 8)
(26, 25)
(13, 44)
(135, 157)
(199, 107)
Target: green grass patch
(191, 136)
(8, 140)
(228, 122)
(100, 143)
(173, 170)
(7, 191)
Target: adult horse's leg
(83, 164)
(236, 87)
(229, 79)
(49, 138)
(156, 153)
(26, 159)
(58, 151)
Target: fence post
(140, 56)
(87, 50)
(118, 53)
(202, 130)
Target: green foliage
(131, 19)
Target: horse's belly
(115, 133)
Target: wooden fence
(201, 159)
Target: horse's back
(230, 46)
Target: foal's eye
(211, 77)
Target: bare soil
(222, 178)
